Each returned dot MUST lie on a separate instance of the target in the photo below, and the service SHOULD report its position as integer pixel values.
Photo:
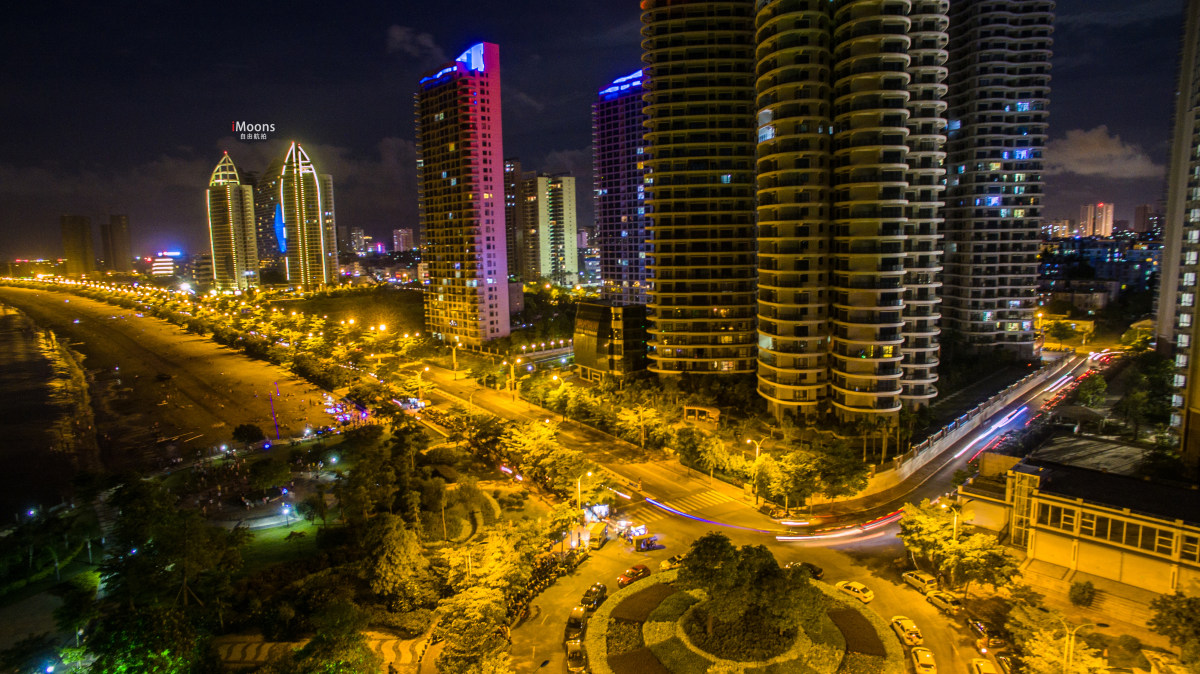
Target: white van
(921, 580)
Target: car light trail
(843, 532)
(1062, 381)
(676, 511)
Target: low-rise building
(610, 340)
(1132, 537)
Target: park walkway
(238, 651)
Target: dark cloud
(420, 46)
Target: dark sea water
(42, 401)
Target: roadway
(695, 506)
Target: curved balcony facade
(698, 104)
(871, 89)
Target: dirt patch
(640, 661)
(637, 608)
(859, 632)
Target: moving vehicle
(923, 662)
(576, 624)
(981, 666)
(673, 562)
(813, 570)
(907, 630)
(856, 589)
(945, 602)
(594, 597)
(576, 657)
(921, 580)
(632, 575)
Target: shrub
(1082, 594)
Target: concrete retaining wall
(902, 467)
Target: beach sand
(160, 393)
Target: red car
(632, 574)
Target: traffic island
(653, 626)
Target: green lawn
(270, 546)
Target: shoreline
(50, 431)
(158, 394)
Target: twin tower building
(814, 191)
(282, 218)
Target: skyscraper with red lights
(460, 176)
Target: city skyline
(149, 176)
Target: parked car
(981, 666)
(987, 636)
(594, 597)
(907, 630)
(945, 602)
(921, 580)
(576, 624)
(1010, 663)
(673, 562)
(632, 574)
(576, 657)
(856, 589)
(813, 570)
(923, 662)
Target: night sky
(124, 108)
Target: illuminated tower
(699, 107)
(306, 204)
(550, 230)
(619, 172)
(795, 231)
(514, 217)
(268, 223)
(1177, 313)
(999, 93)
(850, 104)
(926, 177)
(460, 174)
(231, 229)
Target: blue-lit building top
(620, 182)
(622, 86)
(471, 59)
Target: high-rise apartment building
(77, 244)
(1141, 218)
(306, 205)
(514, 218)
(460, 174)
(1177, 307)
(231, 229)
(550, 230)
(700, 182)
(1096, 219)
(269, 233)
(999, 96)
(851, 136)
(358, 241)
(619, 175)
(402, 239)
(114, 244)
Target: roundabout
(654, 626)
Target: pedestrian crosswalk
(648, 512)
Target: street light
(1069, 652)
(757, 448)
(956, 508)
(419, 373)
(579, 490)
